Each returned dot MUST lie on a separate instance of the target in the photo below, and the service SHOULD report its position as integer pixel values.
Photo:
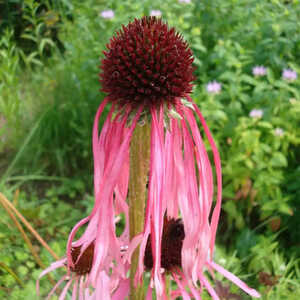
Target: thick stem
(139, 167)
(168, 286)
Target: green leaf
(278, 160)
(245, 241)
(265, 124)
(284, 208)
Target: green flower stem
(12, 273)
(168, 286)
(139, 167)
(4, 202)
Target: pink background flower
(259, 71)
(289, 74)
(107, 14)
(214, 87)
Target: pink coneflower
(107, 14)
(149, 66)
(214, 87)
(147, 74)
(95, 265)
(259, 71)
(289, 74)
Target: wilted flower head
(259, 71)
(256, 113)
(107, 14)
(171, 246)
(147, 73)
(289, 74)
(279, 131)
(213, 87)
(155, 13)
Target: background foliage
(49, 92)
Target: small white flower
(107, 14)
(155, 13)
(282, 267)
(184, 1)
(256, 113)
(279, 131)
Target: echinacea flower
(213, 87)
(259, 71)
(147, 74)
(149, 66)
(256, 113)
(289, 74)
(107, 14)
(94, 263)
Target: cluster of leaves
(49, 93)
(28, 31)
(52, 218)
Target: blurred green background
(49, 93)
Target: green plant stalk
(7, 204)
(168, 286)
(12, 273)
(21, 150)
(139, 167)
(26, 239)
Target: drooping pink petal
(56, 286)
(103, 287)
(58, 264)
(155, 194)
(122, 291)
(171, 178)
(70, 240)
(181, 288)
(217, 209)
(106, 240)
(187, 282)
(133, 245)
(140, 269)
(65, 290)
(149, 293)
(209, 288)
(234, 279)
(81, 288)
(75, 289)
(96, 149)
